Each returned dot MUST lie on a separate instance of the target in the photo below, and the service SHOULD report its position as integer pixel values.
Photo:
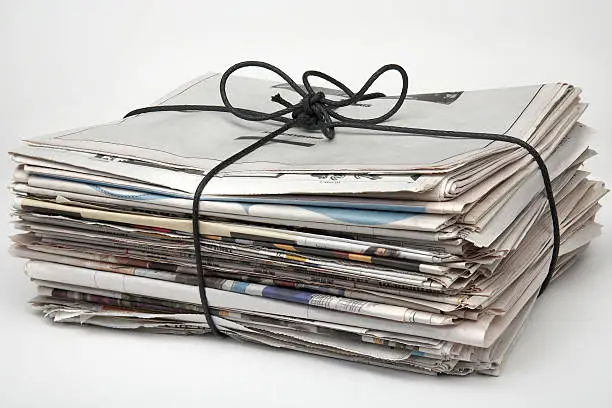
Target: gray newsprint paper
(421, 254)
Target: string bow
(315, 110)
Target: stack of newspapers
(417, 253)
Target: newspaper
(423, 254)
(166, 139)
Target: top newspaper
(297, 162)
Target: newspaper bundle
(423, 254)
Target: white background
(69, 63)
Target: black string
(316, 112)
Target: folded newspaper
(423, 254)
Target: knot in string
(311, 113)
